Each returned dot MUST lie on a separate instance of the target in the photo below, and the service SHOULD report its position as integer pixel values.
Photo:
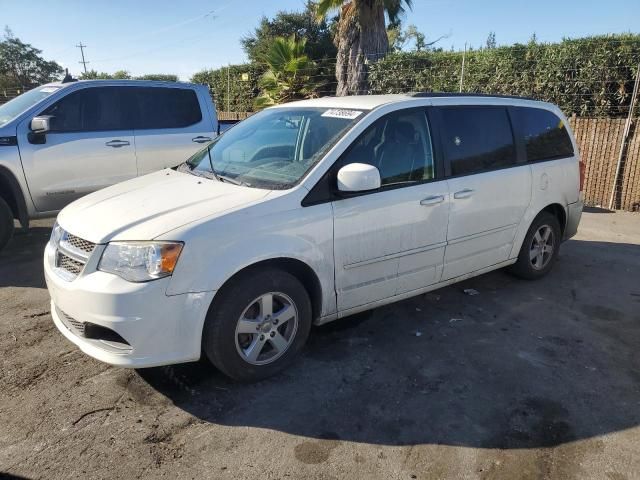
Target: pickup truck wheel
(258, 325)
(6, 223)
(540, 248)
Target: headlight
(140, 261)
(56, 234)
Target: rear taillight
(582, 170)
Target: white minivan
(308, 212)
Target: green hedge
(241, 92)
(588, 76)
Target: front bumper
(158, 329)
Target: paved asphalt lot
(525, 380)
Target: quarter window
(477, 139)
(90, 110)
(399, 145)
(545, 135)
(166, 108)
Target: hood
(148, 206)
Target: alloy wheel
(266, 328)
(542, 247)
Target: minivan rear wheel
(258, 325)
(540, 248)
(6, 223)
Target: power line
(83, 61)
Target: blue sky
(161, 36)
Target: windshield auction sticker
(341, 113)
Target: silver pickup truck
(61, 141)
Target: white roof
(364, 102)
(369, 102)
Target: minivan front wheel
(540, 248)
(258, 325)
(6, 223)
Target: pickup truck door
(91, 146)
(172, 124)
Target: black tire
(525, 267)
(220, 340)
(6, 224)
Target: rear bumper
(574, 214)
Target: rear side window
(477, 139)
(90, 110)
(166, 108)
(545, 135)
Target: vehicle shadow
(21, 259)
(597, 210)
(517, 365)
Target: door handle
(432, 200)
(117, 143)
(466, 193)
(201, 139)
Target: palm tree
(361, 37)
(290, 74)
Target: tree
(125, 75)
(399, 38)
(491, 41)
(21, 65)
(361, 37)
(290, 73)
(318, 35)
(163, 77)
(95, 75)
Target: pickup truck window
(275, 148)
(166, 107)
(16, 106)
(90, 110)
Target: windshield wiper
(223, 178)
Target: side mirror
(358, 177)
(41, 124)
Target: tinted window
(166, 107)
(90, 109)
(545, 135)
(477, 139)
(399, 145)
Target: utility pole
(464, 54)
(228, 86)
(623, 143)
(83, 62)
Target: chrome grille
(72, 254)
(69, 264)
(80, 243)
(71, 323)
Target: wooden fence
(599, 141)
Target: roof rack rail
(464, 94)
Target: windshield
(15, 107)
(275, 148)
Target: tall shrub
(587, 76)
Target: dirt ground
(524, 380)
